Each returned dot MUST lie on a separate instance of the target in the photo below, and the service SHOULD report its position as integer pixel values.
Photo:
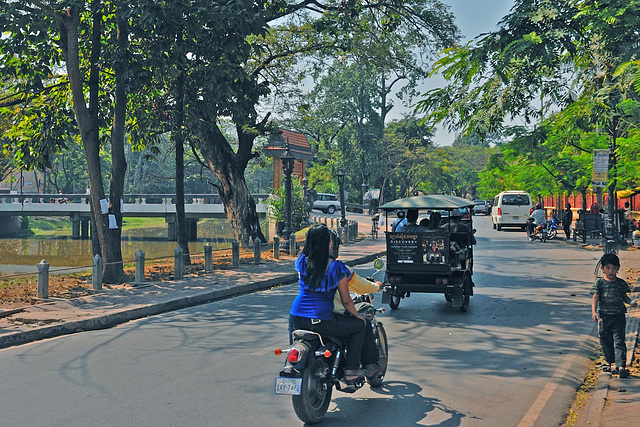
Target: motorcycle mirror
(474, 231)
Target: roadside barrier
(291, 246)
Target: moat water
(19, 255)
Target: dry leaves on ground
(23, 292)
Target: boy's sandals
(606, 368)
(624, 373)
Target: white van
(511, 209)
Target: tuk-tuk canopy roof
(433, 201)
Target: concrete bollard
(178, 262)
(96, 277)
(43, 279)
(276, 248)
(257, 250)
(235, 254)
(139, 266)
(331, 223)
(208, 258)
(292, 244)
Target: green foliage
(553, 63)
(276, 205)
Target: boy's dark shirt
(610, 296)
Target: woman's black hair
(316, 249)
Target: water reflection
(22, 255)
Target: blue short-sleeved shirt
(317, 303)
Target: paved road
(514, 358)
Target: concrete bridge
(76, 207)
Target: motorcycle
(552, 227)
(539, 231)
(315, 365)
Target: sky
(473, 17)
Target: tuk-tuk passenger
(410, 226)
(455, 226)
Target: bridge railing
(141, 198)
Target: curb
(126, 315)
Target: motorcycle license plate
(287, 385)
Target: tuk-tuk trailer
(434, 261)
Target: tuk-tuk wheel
(395, 302)
(466, 293)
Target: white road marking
(538, 405)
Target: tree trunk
(115, 272)
(87, 118)
(240, 207)
(178, 138)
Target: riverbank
(21, 291)
(49, 238)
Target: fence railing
(290, 246)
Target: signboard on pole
(600, 168)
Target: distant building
(18, 182)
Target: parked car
(481, 206)
(327, 203)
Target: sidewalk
(112, 307)
(615, 401)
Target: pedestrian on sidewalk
(610, 293)
(567, 219)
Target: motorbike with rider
(536, 224)
(330, 342)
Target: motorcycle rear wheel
(383, 349)
(552, 233)
(313, 401)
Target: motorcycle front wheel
(383, 350)
(313, 401)
(552, 233)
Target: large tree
(552, 63)
(47, 46)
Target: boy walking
(607, 307)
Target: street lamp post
(363, 187)
(307, 205)
(287, 167)
(343, 219)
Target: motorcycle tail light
(277, 351)
(327, 354)
(293, 355)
